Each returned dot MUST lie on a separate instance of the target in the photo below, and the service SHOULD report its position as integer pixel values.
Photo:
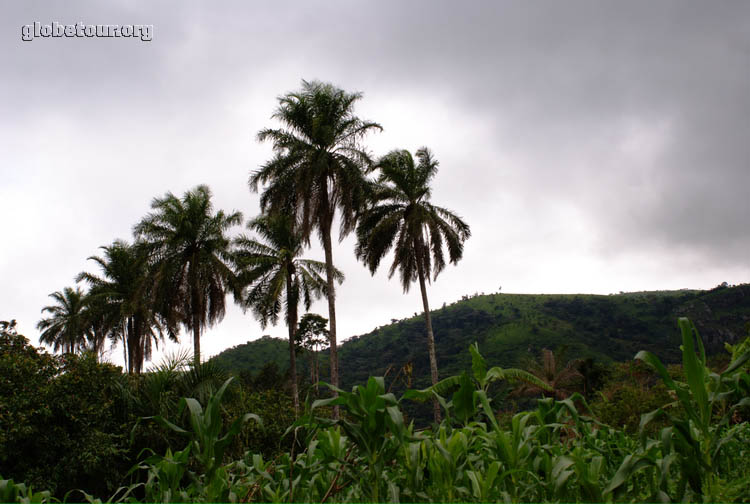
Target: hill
(512, 327)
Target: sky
(592, 146)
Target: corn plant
(206, 445)
(164, 482)
(554, 453)
(696, 435)
(19, 492)
(376, 427)
(470, 392)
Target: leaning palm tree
(402, 218)
(272, 274)
(67, 328)
(122, 304)
(317, 169)
(190, 252)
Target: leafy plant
(697, 432)
(555, 452)
(374, 423)
(19, 492)
(470, 392)
(206, 444)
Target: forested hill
(510, 327)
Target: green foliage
(206, 442)
(605, 328)
(311, 337)
(272, 272)
(630, 391)
(470, 393)
(253, 356)
(275, 408)
(60, 418)
(19, 492)
(319, 160)
(375, 425)
(312, 332)
(24, 375)
(402, 217)
(738, 349)
(555, 452)
(159, 391)
(695, 439)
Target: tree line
(182, 262)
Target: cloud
(592, 146)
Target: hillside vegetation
(512, 327)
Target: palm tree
(317, 169)
(402, 217)
(122, 304)
(190, 252)
(561, 376)
(68, 326)
(272, 274)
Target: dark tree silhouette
(191, 253)
(317, 169)
(122, 302)
(68, 326)
(272, 274)
(403, 219)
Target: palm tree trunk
(196, 339)
(316, 378)
(131, 349)
(138, 344)
(99, 344)
(328, 248)
(197, 309)
(291, 306)
(312, 368)
(430, 336)
(125, 353)
(138, 340)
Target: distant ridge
(510, 327)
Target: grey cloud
(633, 114)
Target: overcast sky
(593, 147)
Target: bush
(631, 391)
(275, 409)
(61, 414)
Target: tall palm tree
(68, 327)
(402, 217)
(317, 169)
(272, 274)
(190, 251)
(122, 304)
